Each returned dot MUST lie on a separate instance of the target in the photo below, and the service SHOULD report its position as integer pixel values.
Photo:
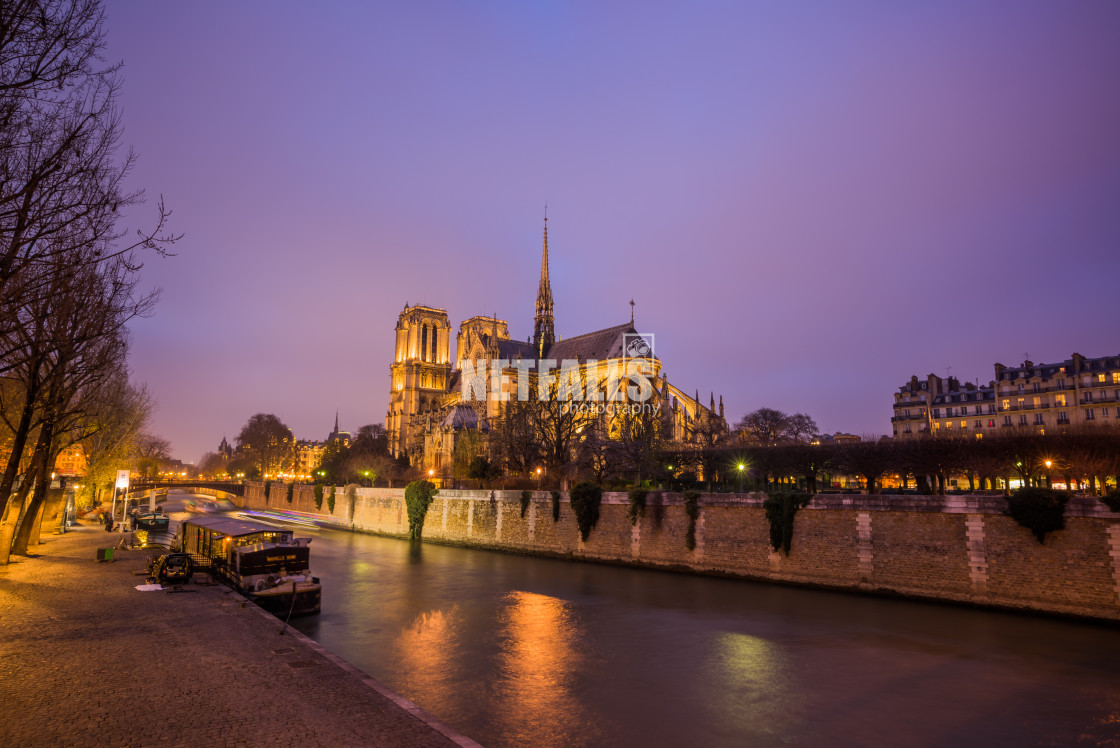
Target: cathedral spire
(336, 422)
(543, 332)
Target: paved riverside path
(88, 660)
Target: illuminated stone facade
(428, 415)
(1076, 392)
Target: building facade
(1079, 391)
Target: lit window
(1116, 377)
(1060, 401)
(1100, 378)
(1006, 404)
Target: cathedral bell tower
(543, 333)
(420, 370)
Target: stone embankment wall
(958, 548)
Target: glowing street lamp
(741, 467)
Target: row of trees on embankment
(69, 278)
(1085, 458)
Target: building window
(991, 423)
(937, 412)
(1100, 378)
(1104, 412)
(1063, 419)
(1089, 396)
(964, 424)
(991, 407)
(1037, 419)
(1062, 383)
(1038, 402)
(979, 424)
(1089, 415)
(1036, 387)
(1023, 419)
(1060, 401)
(1007, 420)
(1116, 377)
(1020, 389)
(1006, 404)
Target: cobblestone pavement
(87, 660)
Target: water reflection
(539, 654)
(514, 651)
(425, 650)
(752, 692)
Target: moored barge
(265, 563)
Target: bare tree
(267, 443)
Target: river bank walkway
(88, 660)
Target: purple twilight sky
(809, 202)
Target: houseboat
(265, 563)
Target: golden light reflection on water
(540, 640)
(754, 687)
(426, 649)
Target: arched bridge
(234, 489)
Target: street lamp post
(1048, 464)
(741, 466)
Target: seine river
(513, 650)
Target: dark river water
(513, 650)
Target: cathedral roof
(599, 345)
(514, 349)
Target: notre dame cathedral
(428, 414)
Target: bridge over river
(219, 487)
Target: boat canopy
(234, 527)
